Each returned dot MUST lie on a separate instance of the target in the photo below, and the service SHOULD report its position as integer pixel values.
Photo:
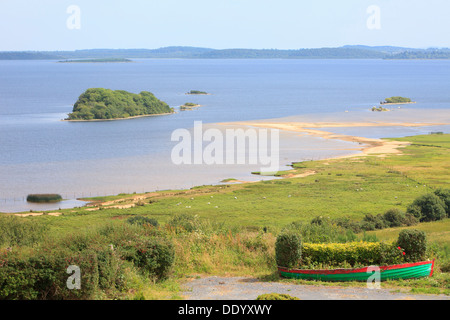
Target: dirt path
(239, 288)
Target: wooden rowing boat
(394, 272)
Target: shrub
(16, 231)
(154, 256)
(414, 243)
(353, 254)
(140, 220)
(44, 198)
(444, 195)
(288, 250)
(185, 222)
(394, 218)
(276, 296)
(445, 267)
(44, 275)
(427, 208)
(410, 220)
(371, 222)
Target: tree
(428, 207)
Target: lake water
(41, 154)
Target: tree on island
(396, 100)
(197, 92)
(104, 104)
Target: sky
(269, 24)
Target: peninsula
(104, 104)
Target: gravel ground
(220, 288)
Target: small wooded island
(397, 100)
(197, 92)
(189, 106)
(105, 104)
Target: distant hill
(345, 52)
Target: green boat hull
(396, 272)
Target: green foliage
(371, 222)
(394, 218)
(15, 231)
(414, 243)
(43, 275)
(185, 222)
(397, 100)
(444, 195)
(197, 92)
(103, 104)
(44, 198)
(105, 255)
(140, 220)
(349, 254)
(288, 250)
(323, 230)
(428, 207)
(154, 256)
(276, 296)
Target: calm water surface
(40, 154)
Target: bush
(410, 220)
(288, 250)
(154, 256)
(185, 222)
(414, 243)
(276, 296)
(394, 218)
(44, 198)
(371, 222)
(445, 267)
(140, 220)
(444, 195)
(427, 208)
(352, 254)
(16, 231)
(44, 276)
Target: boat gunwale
(357, 270)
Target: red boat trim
(432, 269)
(360, 270)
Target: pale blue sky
(282, 24)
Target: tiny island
(197, 92)
(104, 60)
(391, 101)
(189, 106)
(396, 100)
(98, 104)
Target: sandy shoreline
(368, 145)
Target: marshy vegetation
(44, 198)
